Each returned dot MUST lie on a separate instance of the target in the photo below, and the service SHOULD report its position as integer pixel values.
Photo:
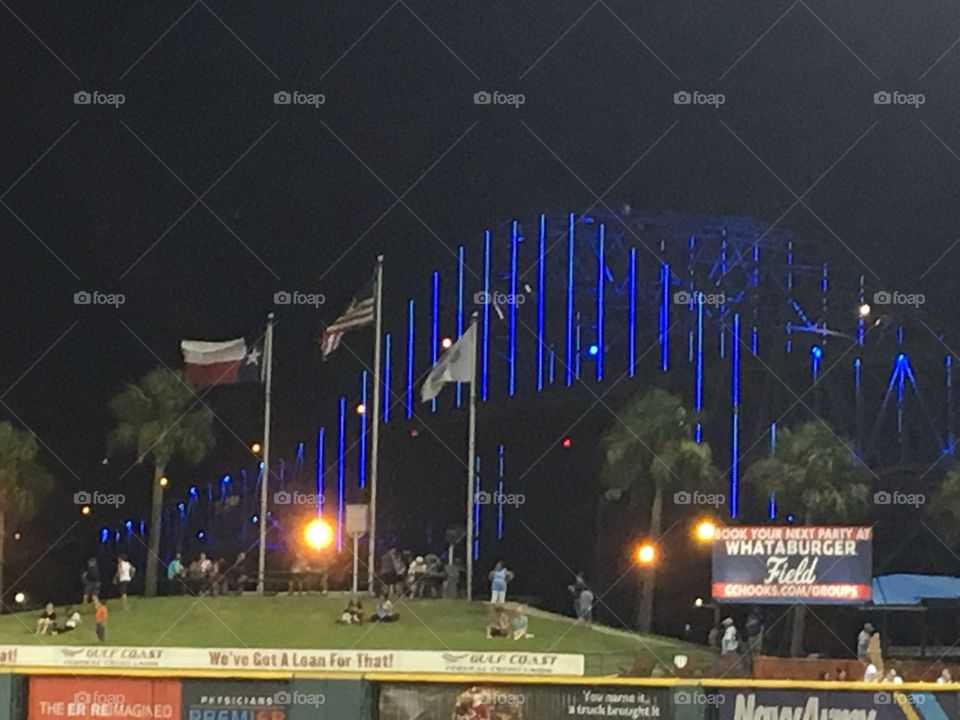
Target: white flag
(458, 364)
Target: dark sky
(296, 197)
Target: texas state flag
(220, 363)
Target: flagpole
(471, 464)
(375, 427)
(265, 480)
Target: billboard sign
(850, 705)
(105, 698)
(783, 564)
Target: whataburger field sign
(813, 564)
(352, 661)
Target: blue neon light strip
(410, 329)
(459, 311)
(341, 470)
(665, 318)
(485, 343)
(500, 467)
(321, 436)
(632, 322)
(735, 402)
(570, 308)
(601, 279)
(362, 462)
(541, 300)
(387, 398)
(951, 442)
(512, 356)
(698, 389)
(773, 439)
(435, 328)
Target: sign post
(357, 524)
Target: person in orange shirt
(100, 618)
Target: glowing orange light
(318, 534)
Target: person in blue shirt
(499, 577)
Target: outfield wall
(145, 695)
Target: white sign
(353, 661)
(356, 519)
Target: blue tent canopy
(907, 589)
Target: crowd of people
(204, 575)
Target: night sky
(199, 198)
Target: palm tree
(23, 480)
(156, 419)
(815, 473)
(647, 450)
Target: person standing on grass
(499, 577)
(91, 582)
(123, 578)
(100, 620)
(175, 573)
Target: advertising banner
(781, 564)
(104, 698)
(236, 700)
(520, 702)
(352, 661)
(845, 704)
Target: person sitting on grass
(73, 619)
(520, 623)
(384, 611)
(350, 614)
(499, 624)
(47, 622)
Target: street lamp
(255, 448)
(446, 343)
(318, 534)
(361, 409)
(864, 310)
(646, 554)
(85, 510)
(19, 598)
(705, 531)
(164, 481)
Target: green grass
(308, 622)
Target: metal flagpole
(471, 463)
(265, 480)
(375, 426)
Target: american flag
(359, 312)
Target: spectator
(825, 676)
(585, 605)
(175, 572)
(499, 577)
(298, 569)
(205, 564)
(841, 674)
(729, 643)
(384, 611)
(195, 578)
(91, 582)
(73, 620)
(451, 581)
(47, 622)
(578, 586)
(358, 613)
(100, 619)
(894, 677)
(237, 576)
(434, 576)
(499, 624)
(945, 677)
(870, 673)
(349, 614)
(863, 642)
(416, 576)
(520, 623)
(713, 637)
(123, 578)
(754, 631)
